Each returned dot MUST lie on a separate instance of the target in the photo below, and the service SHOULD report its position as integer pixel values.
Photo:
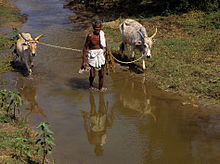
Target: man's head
(97, 25)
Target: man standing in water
(95, 44)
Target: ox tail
(121, 28)
(122, 47)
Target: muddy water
(131, 123)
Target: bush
(181, 6)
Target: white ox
(26, 49)
(134, 34)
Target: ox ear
(138, 43)
(154, 40)
(38, 37)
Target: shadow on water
(96, 122)
(19, 67)
(78, 83)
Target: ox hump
(27, 35)
(131, 22)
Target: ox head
(146, 44)
(31, 43)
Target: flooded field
(133, 122)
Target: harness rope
(72, 49)
(65, 48)
(127, 62)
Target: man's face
(97, 28)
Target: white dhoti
(96, 58)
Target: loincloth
(96, 58)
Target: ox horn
(38, 37)
(154, 34)
(22, 36)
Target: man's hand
(84, 65)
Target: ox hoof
(30, 72)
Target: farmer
(94, 50)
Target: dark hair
(96, 23)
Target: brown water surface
(133, 122)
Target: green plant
(22, 148)
(11, 102)
(45, 140)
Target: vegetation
(147, 8)
(186, 53)
(45, 140)
(9, 18)
(18, 143)
(7, 56)
(17, 140)
(11, 103)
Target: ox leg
(122, 48)
(144, 67)
(132, 52)
(28, 68)
(31, 62)
(126, 48)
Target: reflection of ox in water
(133, 95)
(29, 95)
(26, 50)
(96, 123)
(134, 34)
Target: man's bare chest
(95, 40)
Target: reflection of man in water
(98, 123)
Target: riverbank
(10, 22)
(185, 55)
(17, 140)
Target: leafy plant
(11, 102)
(22, 148)
(45, 140)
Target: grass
(5, 41)
(186, 53)
(5, 63)
(9, 15)
(9, 18)
(10, 133)
(17, 141)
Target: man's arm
(85, 48)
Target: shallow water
(133, 122)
